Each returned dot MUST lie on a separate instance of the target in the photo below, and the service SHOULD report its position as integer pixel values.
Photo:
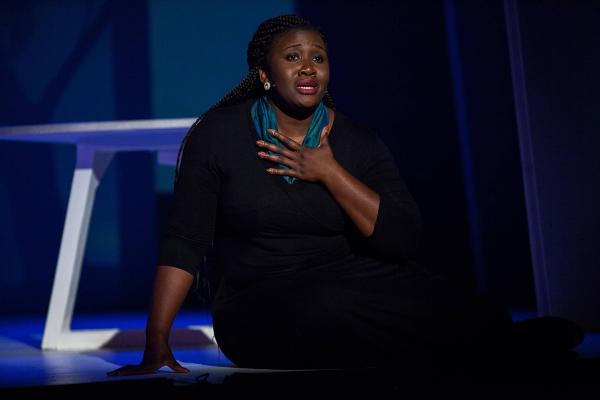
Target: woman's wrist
(332, 174)
(156, 339)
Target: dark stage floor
(28, 372)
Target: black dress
(300, 286)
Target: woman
(315, 231)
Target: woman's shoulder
(230, 112)
(225, 115)
(217, 122)
(354, 131)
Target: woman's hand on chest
(308, 164)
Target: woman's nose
(307, 69)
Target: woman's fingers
(175, 366)
(279, 171)
(277, 158)
(302, 162)
(282, 156)
(146, 369)
(276, 149)
(324, 135)
(132, 370)
(292, 144)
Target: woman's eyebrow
(300, 44)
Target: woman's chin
(299, 106)
(307, 102)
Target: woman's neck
(294, 125)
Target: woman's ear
(262, 75)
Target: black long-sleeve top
(261, 225)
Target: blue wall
(66, 61)
(199, 50)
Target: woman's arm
(319, 164)
(398, 223)
(376, 199)
(185, 242)
(358, 200)
(171, 286)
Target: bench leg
(57, 331)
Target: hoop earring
(267, 85)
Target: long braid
(251, 87)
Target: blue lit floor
(23, 364)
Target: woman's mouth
(307, 86)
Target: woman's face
(298, 67)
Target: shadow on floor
(577, 379)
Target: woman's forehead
(298, 37)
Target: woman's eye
(292, 57)
(318, 59)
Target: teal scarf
(263, 117)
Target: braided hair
(250, 87)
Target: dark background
(434, 78)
